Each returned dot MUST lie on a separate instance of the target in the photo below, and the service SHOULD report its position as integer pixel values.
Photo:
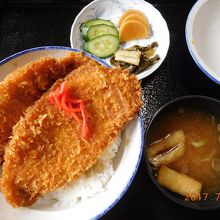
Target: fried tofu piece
(47, 151)
(167, 150)
(178, 182)
(25, 85)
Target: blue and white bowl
(203, 36)
(126, 162)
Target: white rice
(88, 185)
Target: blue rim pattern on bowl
(52, 48)
(140, 123)
(189, 46)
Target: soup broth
(202, 148)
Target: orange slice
(128, 12)
(132, 30)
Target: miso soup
(201, 158)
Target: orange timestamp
(195, 197)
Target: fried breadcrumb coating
(47, 151)
(25, 85)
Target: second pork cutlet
(47, 149)
(25, 85)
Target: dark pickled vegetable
(147, 59)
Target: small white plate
(203, 36)
(112, 10)
(126, 162)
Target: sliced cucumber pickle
(84, 27)
(103, 46)
(96, 22)
(101, 29)
(84, 33)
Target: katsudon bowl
(125, 162)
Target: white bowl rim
(5, 60)
(141, 75)
(200, 63)
(140, 122)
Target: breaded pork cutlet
(74, 60)
(47, 149)
(25, 85)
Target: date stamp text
(195, 197)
